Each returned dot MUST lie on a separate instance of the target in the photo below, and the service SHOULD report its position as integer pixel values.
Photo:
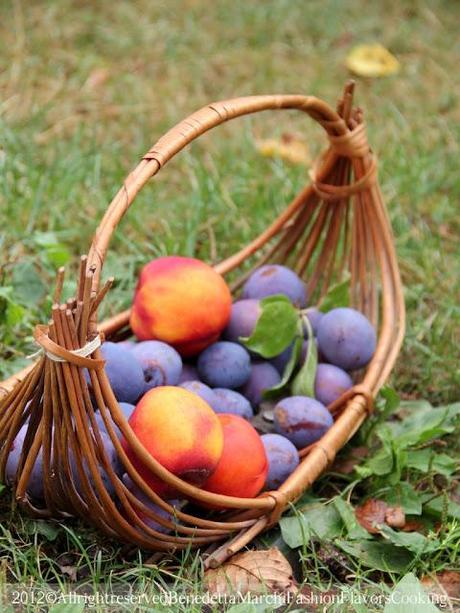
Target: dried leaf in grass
(395, 517)
(371, 515)
(346, 465)
(445, 582)
(96, 78)
(257, 571)
(289, 148)
(372, 61)
(374, 514)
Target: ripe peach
(243, 466)
(181, 301)
(181, 431)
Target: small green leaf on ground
(346, 512)
(47, 529)
(426, 460)
(409, 596)
(404, 496)
(378, 556)
(413, 541)
(276, 327)
(322, 521)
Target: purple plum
(229, 401)
(274, 279)
(282, 457)
(302, 420)
(330, 383)
(243, 320)
(263, 377)
(224, 364)
(161, 364)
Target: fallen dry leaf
(252, 571)
(290, 148)
(371, 515)
(445, 582)
(372, 61)
(395, 517)
(374, 513)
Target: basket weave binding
(338, 225)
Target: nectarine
(181, 431)
(181, 301)
(243, 466)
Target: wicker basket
(337, 225)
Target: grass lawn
(85, 90)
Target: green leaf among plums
(276, 327)
(304, 382)
(288, 371)
(337, 296)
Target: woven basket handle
(187, 131)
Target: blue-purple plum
(124, 372)
(189, 373)
(161, 363)
(126, 409)
(302, 420)
(163, 513)
(274, 279)
(202, 390)
(346, 338)
(263, 377)
(330, 383)
(314, 317)
(113, 459)
(243, 319)
(127, 344)
(224, 364)
(282, 457)
(35, 487)
(229, 401)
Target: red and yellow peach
(179, 430)
(181, 301)
(243, 466)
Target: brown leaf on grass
(252, 571)
(413, 525)
(371, 515)
(445, 582)
(346, 465)
(395, 517)
(290, 148)
(375, 513)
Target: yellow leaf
(252, 572)
(290, 148)
(372, 61)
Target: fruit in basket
(126, 409)
(280, 361)
(181, 431)
(112, 458)
(229, 401)
(274, 279)
(181, 301)
(189, 373)
(124, 372)
(243, 319)
(301, 419)
(202, 390)
(282, 457)
(161, 364)
(263, 377)
(224, 364)
(35, 487)
(243, 467)
(145, 500)
(314, 317)
(346, 338)
(330, 383)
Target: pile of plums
(190, 388)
